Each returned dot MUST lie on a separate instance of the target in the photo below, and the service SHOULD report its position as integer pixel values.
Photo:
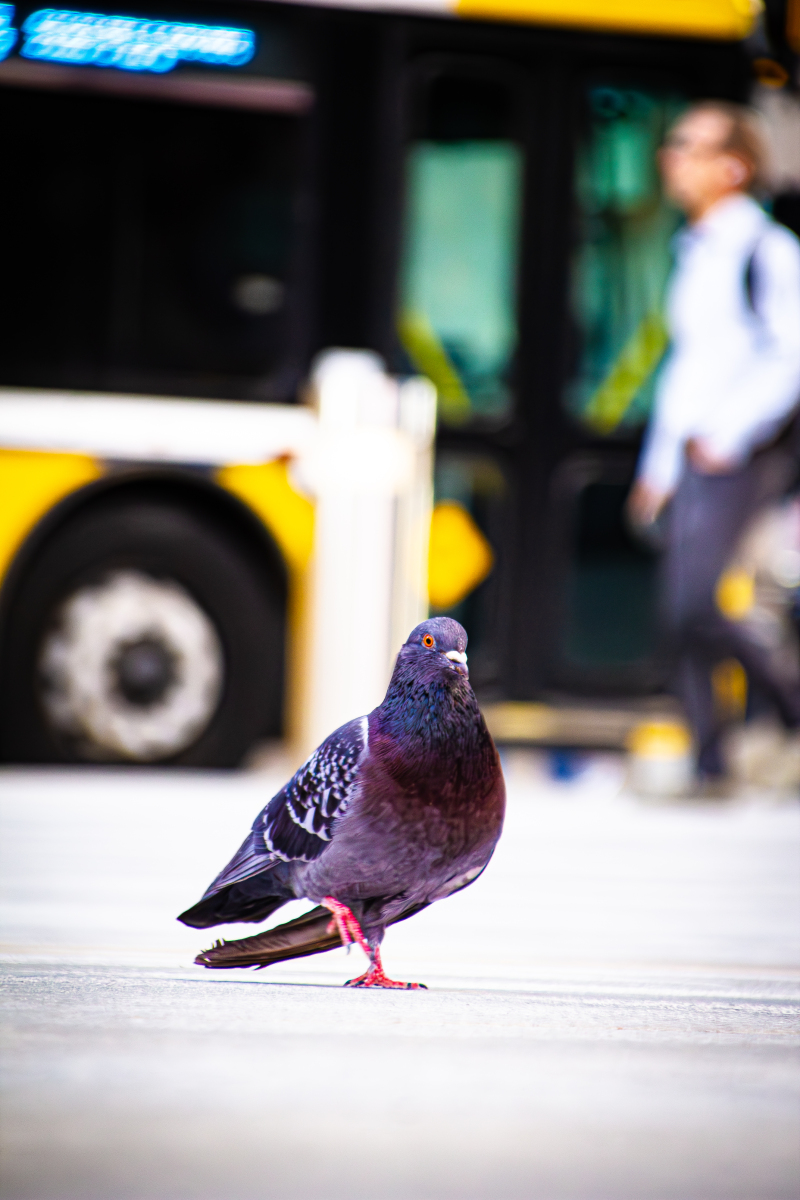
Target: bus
(208, 205)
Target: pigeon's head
(442, 638)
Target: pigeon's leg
(345, 922)
(350, 931)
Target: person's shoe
(710, 763)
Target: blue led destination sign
(129, 43)
(8, 36)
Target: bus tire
(145, 630)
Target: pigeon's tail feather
(296, 939)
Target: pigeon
(393, 811)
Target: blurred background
(199, 204)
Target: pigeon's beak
(458, 661)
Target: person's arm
(655, 479)
(765, 394)
(645, 503)
(660, 461)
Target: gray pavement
(612, 1014)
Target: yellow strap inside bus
(632, 367)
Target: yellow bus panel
(728, 19)
(289, 516)
(31, 483)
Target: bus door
(536, 249)
(601, 598)
(466, 161)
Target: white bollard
(369, 469)
(413, 509)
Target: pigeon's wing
(298, 822)
(250, 859)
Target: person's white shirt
(732, 375)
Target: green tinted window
(457, 305)
(622, 259)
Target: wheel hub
(143, 671)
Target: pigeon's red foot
(376, 978)
(350, 931)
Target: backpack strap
(748, 282)
(789, 436)
(750, 274)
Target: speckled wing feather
(298, 823)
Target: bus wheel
(131, 666)
(144, 632)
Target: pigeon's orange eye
(428, 641)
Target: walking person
(714, 448)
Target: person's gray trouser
(708, 515)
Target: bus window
(622, 259)
(153, 248)
(457, 317)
